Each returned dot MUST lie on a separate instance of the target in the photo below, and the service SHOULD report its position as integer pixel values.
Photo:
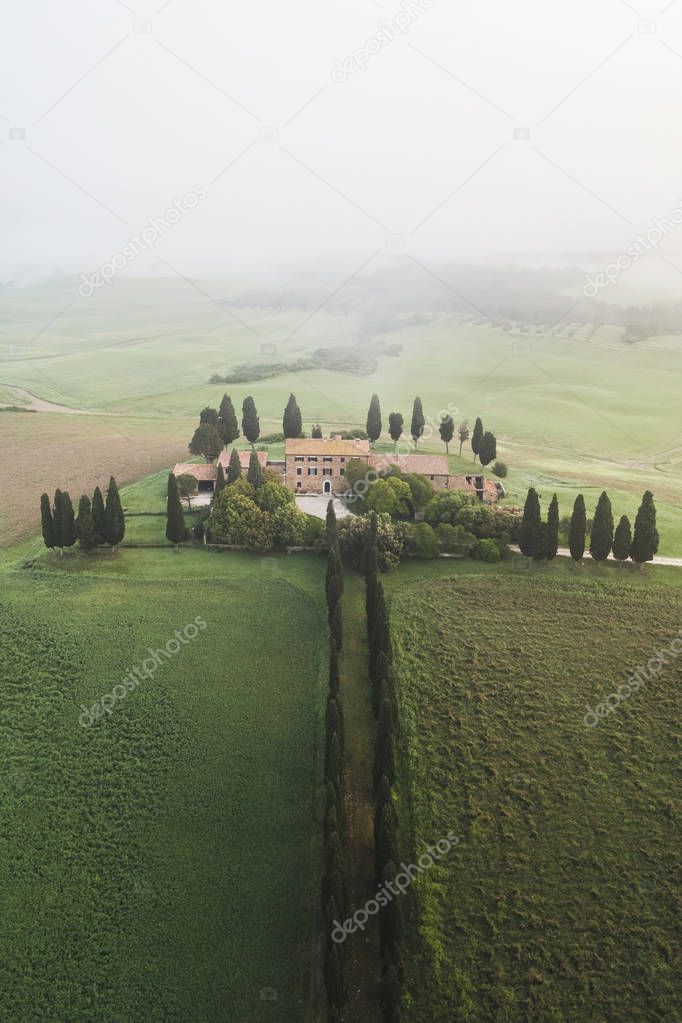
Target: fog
(339, 133)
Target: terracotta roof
(349, 448)
(423, 465)
(200, 470)
(244, 458)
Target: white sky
(420, 144)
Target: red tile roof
(200, 470)
(423, 465)
(316, 446)
(244, 458)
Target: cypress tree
(250, 421)
(176, 531)
(227, 424)
(332, 529)
(85, 526)
(67, 522)
(292, 421)
(333, 975)
(395, 427)
(333, 668)
(622, 540)
(333, 596)
(334, 568)
(385, 840)
(578, 529)
(552, 535)
(333, 807)
(384, 753)
(334, 764)
(382, 684)
(47, 522)
(447, 431)
(601, 539)
(418, 421)
(99, 516)
(530, 538)
(255, 473)
(220, 481)
(57, 513)
(645, 540)
(487, 449)
(209, 416)
(334, 720)
(114, 520)
(383, 795)
(390, 993)
(206, 441)
(336, 625)
(374, 419)
(390, 917)
(477, 436)
(234, 468)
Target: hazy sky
(127, 106)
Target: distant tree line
(540, 540)
(335, 902)
(96, 524)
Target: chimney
(337, 436)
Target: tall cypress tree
(334, 568)
(384, 751)
(336, 625)
(85, 526)
(67, 521)
(176, 531)
(645, 540)
(250, 420)
(552, 535)
(333, 668)
(113, 515)
(227, 423)
(331, 525)
(578, 530)
(234, 468)
(487, 449)
(292, 421)
(209, 415)
(47, 522)
(622, 540)
(477, 436)
(57, 513)
(255, 473)
(220, 481)
(395, 427)
(374, 419)
(601, 538)
(447, 431)
(418, 421)
(99, 516)
(530, 533)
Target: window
(327, 458)
(326, 472)
(432, 477)
(312, 458)
(298, 484)
(299, 471)
(299, 458)
(342, 472)
(312, 472)
(343, 459)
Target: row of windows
(313, 472)
(314, 458)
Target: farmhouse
(318, 466)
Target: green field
(574, 411)
(161, 864)
(560, 900)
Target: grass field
(161, 864)
(572, 412)
(559, 902)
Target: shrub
(236, 519)
(454, 539)
(446, 507)
(273, 495)
(486, 550)
(500, 469)
(422, 540)
(290, 526)
(391, 540)
(270, 438)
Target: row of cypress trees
(385, 818)
(335, 903)
(538, 539)
(97, 523)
